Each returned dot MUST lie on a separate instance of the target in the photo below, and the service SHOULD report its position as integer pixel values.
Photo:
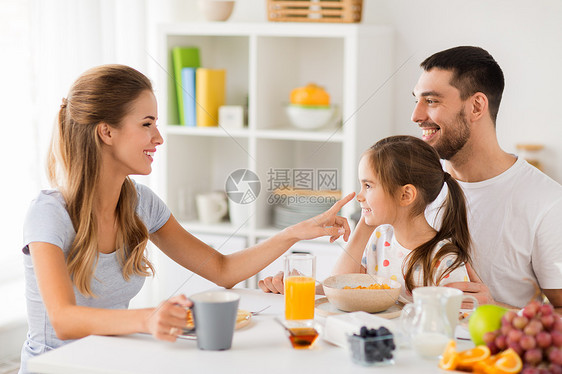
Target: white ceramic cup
(455, 298)
(211, 207)
(214, 316)
(239, 213)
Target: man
(514, 210)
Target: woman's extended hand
(166, 321)
(325, 224)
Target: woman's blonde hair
(102, 94)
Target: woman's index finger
(340, 203)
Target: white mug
(239, 213)
(455, 298)
(211, 207)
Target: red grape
(508, 317)
(546, 309)
(527, 342)
(533, 356)
(505, 329)
(514, 336)
(555, 369)
(516, 347)
(493, 348)
(531, 309)
(547, 321)
(520, 322)
(556, 338)
(489, 337)
(501, 342)
(555, 356)
(557, 324)
(533, 328)
(544, 340)
(535, 334)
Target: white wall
(525, 37)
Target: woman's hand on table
(324, 224)
(167, 320)
(273, 284)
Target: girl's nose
(360, 197)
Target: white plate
(324, 308)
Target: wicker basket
(343, 11)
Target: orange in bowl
(311, 94)
(354, 299)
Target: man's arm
(555, 298)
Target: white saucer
(324, 309)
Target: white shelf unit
(264, 62)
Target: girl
(399, 177)
(85, 240)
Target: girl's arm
(228, 270)
(71, 321)
(350, 259)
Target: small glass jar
(531, 153)
(372, 351)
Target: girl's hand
(325, 224)
(166, 321)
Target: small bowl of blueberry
(372, 346)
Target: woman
(85, 240)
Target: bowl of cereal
(361, 292)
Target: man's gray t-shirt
(48, 221)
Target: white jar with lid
(532, 153)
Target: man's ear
(408, 194)
(479, 107)
(105, 132)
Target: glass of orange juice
(300, 286)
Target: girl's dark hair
(401, 160)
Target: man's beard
(449, 146)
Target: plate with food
(243, 318)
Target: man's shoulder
(536, 185)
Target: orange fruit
(468, 358)
(450, 356)
(508, 362)
(485, 366)
(311, 94)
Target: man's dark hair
(474, 70)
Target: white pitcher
(425, 324)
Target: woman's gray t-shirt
(48, 221)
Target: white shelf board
(206, 131)
(284, 29)
(332, 136)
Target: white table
(261, 347)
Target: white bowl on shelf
(310, 117)
(216, 10)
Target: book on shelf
(183, 57)
(210, 95)
(188, 85)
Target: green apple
(484, 319)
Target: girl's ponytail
(454, 227)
